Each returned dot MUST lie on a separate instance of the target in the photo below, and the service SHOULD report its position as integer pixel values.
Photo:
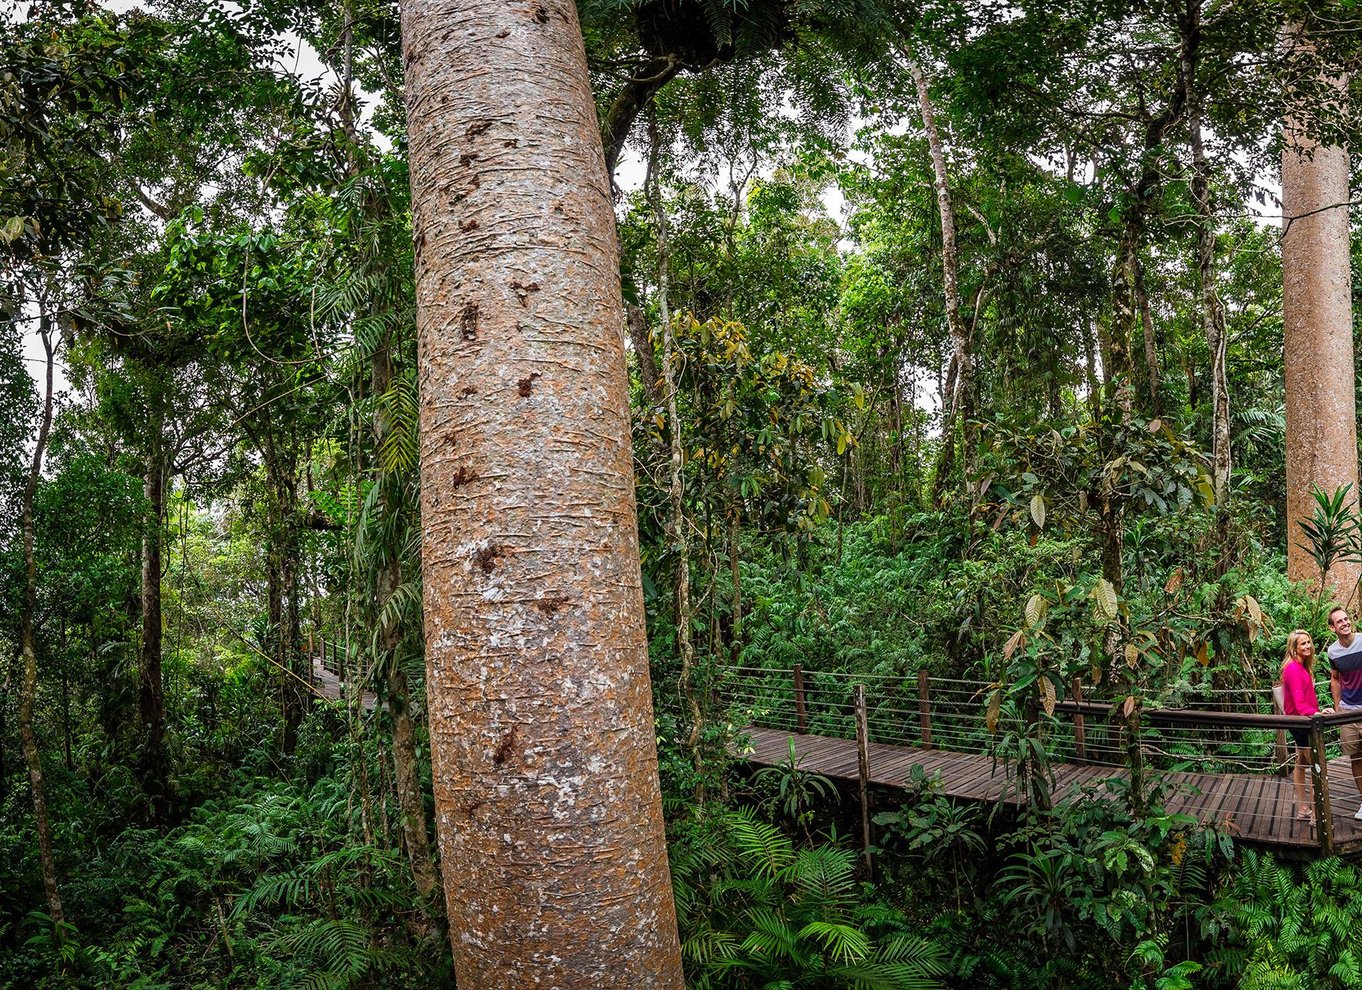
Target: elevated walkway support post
(863, 765)
(924, 707)
(801, 717)
(1319, 783)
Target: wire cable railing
(1198, 732)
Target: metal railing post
(924, 708)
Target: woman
(1299, 698)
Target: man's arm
(1335, 687)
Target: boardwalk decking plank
(1263, 810)
(972, 780)
(1200, 805)
(1236, 800)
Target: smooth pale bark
(959, 388)
(547, 798)
(28, 695)
(1321, 407)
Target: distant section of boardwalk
(1256, 808)
(328, 685)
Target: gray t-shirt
(1347, 661)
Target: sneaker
(1358, 814)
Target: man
(1345, 684)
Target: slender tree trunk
(290, 657)
(29, 691)
(65, 705)
(1212, 313)
(676, 488)
(151, 689)
(959, 407)
(1321, 405)
(546, 788)
(6, 684)
(1151, 344)
(735, 576)
(406, 765)
(643, 353)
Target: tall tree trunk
(959, 400)
(1321, 406)
(1212, 313)
(642, 340)
(1127, 276)
(281, 577)
(406, 766)
(1151, 344)
(676, 487)
(546, 788)
(735, 577)
(151, 689)
(29, 690)
(290, 656)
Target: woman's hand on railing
(1326, 710)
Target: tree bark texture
(28, 695)
(642, 340)
(958, 406)
(1321, 407)
(547, 797)
(151, 689)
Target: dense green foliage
(206, 206)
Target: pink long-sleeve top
(1299, 689)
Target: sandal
(1306, 815)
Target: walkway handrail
(1208, 718)
(964, 716)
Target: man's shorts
(1351, 737)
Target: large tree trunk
(1321, 408)
(151, 690)
(29, 690)
(540, 707)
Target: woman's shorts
(1301, 737)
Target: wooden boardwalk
(1256, 808)
(328, 685)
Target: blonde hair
(1293, 642)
